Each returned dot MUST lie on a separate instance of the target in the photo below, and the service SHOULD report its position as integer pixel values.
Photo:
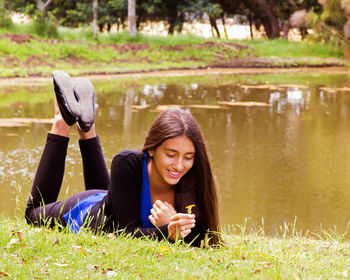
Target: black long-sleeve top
(122, 203)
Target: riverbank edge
(179, 72)
(29, 252)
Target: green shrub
(5, 20)
(45, 26)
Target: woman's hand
(161, 213)
(180, 225)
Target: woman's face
(171, 160)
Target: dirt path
(184, 72)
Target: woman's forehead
(179, 144)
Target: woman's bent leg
(52, 213)
(94, 165)
(49, 175)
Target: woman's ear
(151, 152)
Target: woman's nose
(179, 165)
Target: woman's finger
(170, 207)
(158, 207)
(184, 233)
(154, 213)
(186, 227)
(182, 222)
(179, 216)
(159, 204)
(167, 204)
(151, 219)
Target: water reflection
(289, 158)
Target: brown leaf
(20, 235)
(268, 265)
(257, 271)
(3, 274)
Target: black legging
(42, 207)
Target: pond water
(282, 154)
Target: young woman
(147, 191)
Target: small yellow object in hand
(189, 208)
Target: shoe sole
(84, 91)
(66, 99)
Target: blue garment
(75, 216)
(146, 203)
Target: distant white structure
(202, 28)
(19, 18)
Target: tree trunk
(250, 19)
(132, 17)
(180, 23)
(95, 12)
(100, 27)
(346, 30)
(43, 7)
(224, 25)
(214, 25)
(172, 19)
(40, 5)
(265, 13)
(286, 28)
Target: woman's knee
(29, 216)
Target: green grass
(287, 49)
(124, 37)
(35, 253)
(76, 52)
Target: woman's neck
(158, 188)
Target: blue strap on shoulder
(75, 216)
(145, 203)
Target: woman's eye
(188, 158)
(170, 155)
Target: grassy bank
(35, 253)
(22, 53)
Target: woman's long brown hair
(176, 122)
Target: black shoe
(76, 99)
(84, 91)
(67, 101)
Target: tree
(132, 17)
(263, 9)
(43, 7)
(112, 12)
(95, 11)
(5, 20)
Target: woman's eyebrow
(171, 150)
(175, 151)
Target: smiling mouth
(174, 174)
